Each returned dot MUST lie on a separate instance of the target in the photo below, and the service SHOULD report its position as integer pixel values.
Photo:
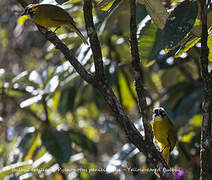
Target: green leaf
(26, 140)
(108, 5)
(179, 23)
(189, 105)
(83, 141)
(188, 137)
(127, 98)
(187, 46)
(34, 146)
(196, 120)
(71, 1)
(20, 168)
(68, 98)
(148, 42)
(57, 143)
(30, 101)
(20, 77)
(210, 47)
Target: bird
(164, 132)
(51, 16)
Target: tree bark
(205, 151)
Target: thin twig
(45, 108)
(138, 74)
(95, 44)
(139, 86)
(205, 151)
(61, 171)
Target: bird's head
(30, 10)
(159, 112)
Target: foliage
(50, 118)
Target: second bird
(164, 132)
(50, 16)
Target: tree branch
(205, 151)
(138, 74)
(45, 108)
(95, 44)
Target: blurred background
(53, 125)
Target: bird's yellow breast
(160, 129)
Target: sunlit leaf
(174, 1)
(20, 168)
(157, 11)
(72, 1)
(109, 12)
(196, 120)
(35, 77)
(19, 77)
(126, 152)
(52, 84)
(106, 5)
(33, 148)
(42, 158)
(187, 138)
(126, 96)
(25, 141)
(210, 47)
(147, 43)
(30, 101)
(187, 46)
(4, 37)
(179, 23)
(150, 63)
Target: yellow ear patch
(21, 20)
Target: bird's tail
(76, 30)
(165, 153)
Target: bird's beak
(24, 13)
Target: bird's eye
(162, 113)
(31, 13)
(156, 111)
